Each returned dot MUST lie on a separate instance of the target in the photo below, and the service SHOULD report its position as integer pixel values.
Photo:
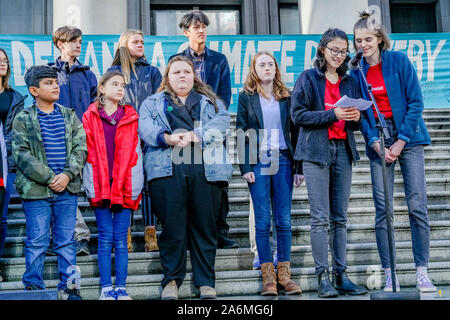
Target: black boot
(326, 290)
(225, 242)
(345, 286)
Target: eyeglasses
(335, 52)
(5, 61)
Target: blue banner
(429, 53)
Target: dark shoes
(326, 290)
(83, 248)
(345, 286)
(226, 243)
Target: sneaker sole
(425, 290)
(269, 293)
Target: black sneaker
(69, 294)
(83, 248)
(227, 243)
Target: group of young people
(137, 129)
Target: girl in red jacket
(113, 177)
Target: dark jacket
(308, 112)
(405, 97)
(16, 106)
(140, 88)
(78, 86)
(249, 116)
(217, 73)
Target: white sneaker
(108, 295)
(388, 285)
(424, 284)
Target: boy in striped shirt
(49, 148)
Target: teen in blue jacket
(142, 79)
(398, 95)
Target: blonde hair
(122, 56)
(199, 86)
(253, 83)
(377, 28)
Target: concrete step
(356, 200)
(301, 217)
(143, 263)
(358, 186)
(363, 173)
(357, 233)
(248, 282)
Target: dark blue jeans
(412, 165)
(273, 190)
(62, 208)
(112, 231)
(329, 193)
(10, 189)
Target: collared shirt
(64, 65)
(272, 124)
(199, 63)
(53, 132)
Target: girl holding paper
(398, 95)
(326, 145)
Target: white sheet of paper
(346, 102)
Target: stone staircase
(234, 274)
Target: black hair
(35, 74)
(328, 36)
(193, 17)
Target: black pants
(222, 225)
(188, 207)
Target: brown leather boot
(129, 244)
(284, 279)
(269, 279)
(150, 239)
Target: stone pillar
(317, 16)
(91, 16)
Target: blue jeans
(112, 231)
(329, 193)
(412, 165)
(10, 189)
(62, 209)
(273, 190)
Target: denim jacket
(212, 132)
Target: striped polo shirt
(53, 131)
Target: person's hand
(298, 179)
(397, 147)
(59, 182)
(176, 139)
(249, 177)
(347, 114)
(388, 155)
(191, 137)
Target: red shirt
(332, 95)
(375, 78)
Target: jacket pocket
(88, 180)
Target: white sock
(106, 289)
(121, 288)
(421, 270)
